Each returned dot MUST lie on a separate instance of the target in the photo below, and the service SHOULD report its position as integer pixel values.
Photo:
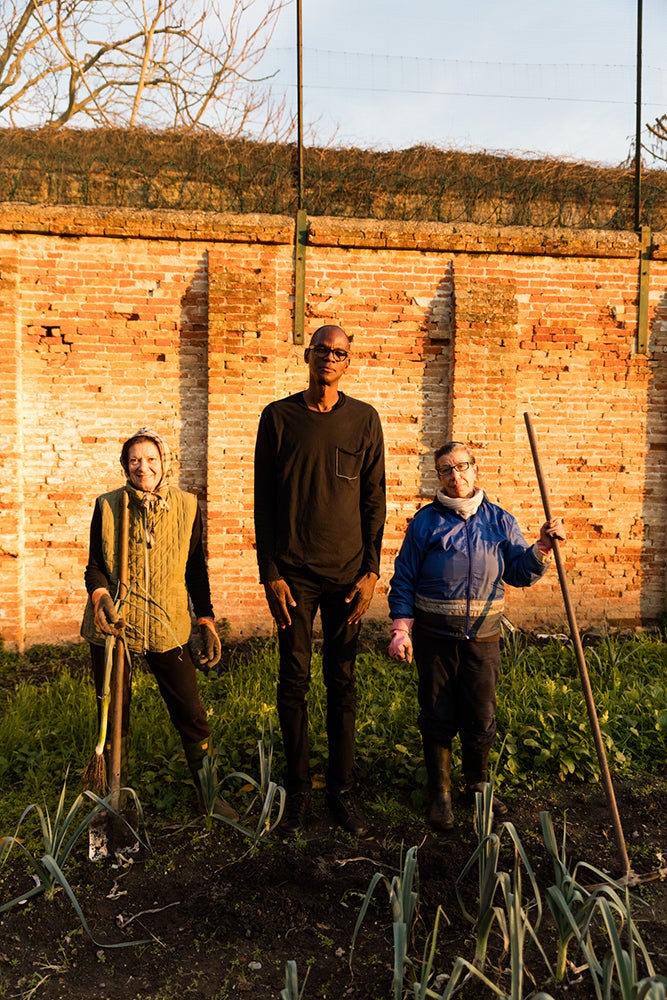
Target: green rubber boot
(438, 761)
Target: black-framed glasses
(337, 353)
(448, 470)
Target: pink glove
(400, 647)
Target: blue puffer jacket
(450, 573)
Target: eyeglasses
(337, 353)
(449, 470)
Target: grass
(48, 720)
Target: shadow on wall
(438, 340)
(193, 385)
(652, 524)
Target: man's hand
(360, 596)
(211, 651)
(107, 618)
(278, 597)
(551, 529)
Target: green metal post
(644, 274)
(301, 236)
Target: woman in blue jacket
(446, 602)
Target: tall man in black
(319, 518)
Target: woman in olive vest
(166, 572)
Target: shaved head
(330, 330)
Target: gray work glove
(107, 618)
(211, 650)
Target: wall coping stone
(323, 231)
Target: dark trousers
(176, 677)
(457, 689)
(339, 650)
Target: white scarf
(465, 507)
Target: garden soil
(219, 921)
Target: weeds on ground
(541, 718)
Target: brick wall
(110, 320)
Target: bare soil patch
(223, 922)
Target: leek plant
(95, 771)
(59, 838)
(500, 901)
(485, 858)
(403, 899)
(291, 990)
(511, 919)
(514, 918)
(572, 906)
(267, 794)
(621, 964)
(421, 989)
(519, 927)
(575, 910)
(461, 965)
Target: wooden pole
(118, 674)
(581, 664)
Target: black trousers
(339, 651)
(457, 689)
(176, 677)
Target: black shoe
(295, 816)
(346, 812)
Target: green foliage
(586, 917)
(48, 719)
(291, 990)
(621, 964)
(511, 918)
(543, 718)
(267, 797)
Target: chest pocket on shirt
(348, 463)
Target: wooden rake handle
(118, 674)
(581, 663)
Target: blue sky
(518, 76)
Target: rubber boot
(476, 773)
(194, 754)
(438, 761)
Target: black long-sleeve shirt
(319, 489)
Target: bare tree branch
(658, 149)
(190, 64)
